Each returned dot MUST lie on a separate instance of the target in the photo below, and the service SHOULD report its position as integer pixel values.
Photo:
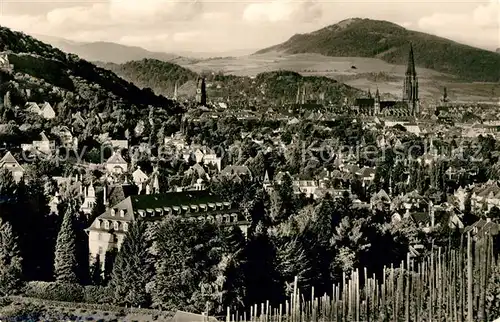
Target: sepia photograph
(250, 160)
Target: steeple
(297, 99)
(303, 95)
(410, 70)
(201, 92)
(410, 86)
(175, 92)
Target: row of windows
(116, 225)
(227, 218)
(177, 210)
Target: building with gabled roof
(47, 112)
(108, 230)
(33, 107)
(116, 164)
(10, 163)
(43, 144)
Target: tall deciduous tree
(132, 269)
(65, 263)
(10, 261)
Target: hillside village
(203, 203)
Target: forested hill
(390, 42)
(69, 73)
(272, 87)
(158, 75)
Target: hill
(158, 75)
(105, 51)
(39, 66)
(273, 87)
(390, 42)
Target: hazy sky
(211, 26)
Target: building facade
(108, 230)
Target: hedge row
(68, 292)
(76, 297)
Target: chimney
(81, 188)
(148, 189)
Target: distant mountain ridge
(111, 52)
(105, 51)
(390, 42)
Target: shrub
(21, 312)
(97, 294)
(54, 291)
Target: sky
(223, 25)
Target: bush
(97, 294)
(55, 291)
(21, 312)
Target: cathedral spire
(410, 70)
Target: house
(119, 144)
(237, 170)
(177, 141)
(307, 187)
(380, 200)
(66, 137)
(5, 65)
(43, 144)
(116, 164)
(139, 177)
(108, 230)
(33, 107)
(10, 163)
(47, 112)
(89, 201)
(208, 157)
(483, 227)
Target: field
(363, 73)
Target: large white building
(108, 230)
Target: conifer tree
(65, 263)
(10, 261)
(132, 269)
(96, 271)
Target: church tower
(376, 103)
(201, 92)
(410, 88)
(175, 92)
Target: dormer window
(116, 225)
(106, 224)
(142, 213)
(113, 211)
(122, 213)
(98, 224)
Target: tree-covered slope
(69, 73)
(158, 75)
(390, 42)
(272, 87)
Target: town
(221, 206)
